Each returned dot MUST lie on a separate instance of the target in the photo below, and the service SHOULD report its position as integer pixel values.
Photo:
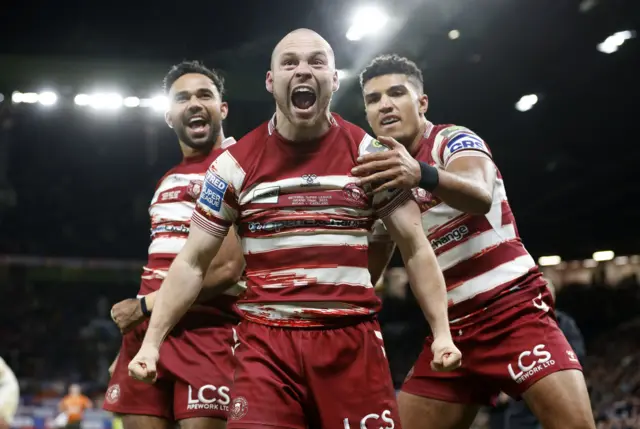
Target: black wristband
(143, 307)
(429, 177)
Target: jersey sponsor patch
(213, 191)
(466, 141)
(371, 145)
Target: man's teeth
(388, 121)
(309, 90)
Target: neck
(414, 144)
(190, 152)
(300, 134)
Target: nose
(303, 71)
(194, 104)
(385, 104)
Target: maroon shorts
(508, 352)
(195, 372)
(312, 378)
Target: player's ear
(224, 110)
(269, 81)
(167, 119)
(336, 81)
(423, 104)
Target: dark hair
(392, 64)
(187, 67)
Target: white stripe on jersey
(176, 212)
(315, 183)
(174, 181)
(167, 244)
(268, 244)
(227, 167)
(301, 310)
(349, 276)
(439, 216)
(488, 280)
(475, 245)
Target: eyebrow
(391, 88)
(312, 54)
(185, 92)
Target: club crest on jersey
(354, 193)
(425, 199)
(213, 190)
(194, 188)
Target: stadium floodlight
(159, 103)
(24, 97)
(131, 102)
(454, 34)
(548, 261)
(110, 101)
(366, 21)
(82, 99)
(526, 102)
(603, 255)
(47, 98)
(613, 42)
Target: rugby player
(501, 311)
(195, 367)
(9, 395)
(310, 351)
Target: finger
(396, 183)
(381, 176)
(390, 142)
(375, 165)
(373, 157)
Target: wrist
(143, 307)
(429, 177)
(442, 333)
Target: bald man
(309, 352)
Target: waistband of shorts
(318, 325)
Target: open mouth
(197, 124)
(303, 97)
(388, 120)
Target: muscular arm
(225, 271)
(467, 184)
(426, 279)
(182, 285)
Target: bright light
(26, 97)
(47, 98)
(613, 42)
(454, 34)
(131, 102)
(548, 261)
(366, 21)
(16, 97)
(82, 100)
(343, 74)
(159, 103)
(109, 101)
(526, 102)
(603, 255)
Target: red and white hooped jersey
(482, 256)
(171, 209)
(303, 223)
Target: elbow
(480, 204)
(232, 272)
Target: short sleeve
(217, 207)
(453, 142)
(386, 202)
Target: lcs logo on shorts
(213, 191)
(530, 363)
(375, 420)
(209, 397)
(465, 141)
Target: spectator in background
(516, 413)
(74, 405)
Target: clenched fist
(143, 366)
(127, 314)
(446, 356)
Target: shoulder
(453, 139)
(358, 138)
